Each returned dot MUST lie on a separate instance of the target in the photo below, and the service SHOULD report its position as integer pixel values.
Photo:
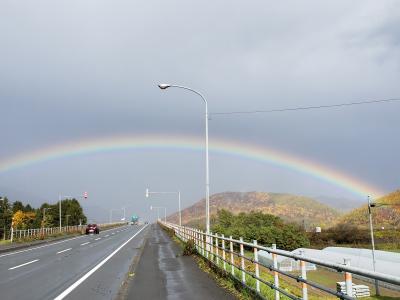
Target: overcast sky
(72, 70)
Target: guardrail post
(242, 261)
(198, 241)
(232, 259)
(207, 246)
(203, 249)
(211, 248)
(276, 275)
(348, 279)
(303, 276)
(257, 270)
(223, 252)
(217, 249)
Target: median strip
(63, 250)
(28, 263)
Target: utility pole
(373, 245)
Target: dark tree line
(266, 229)
(47, 215)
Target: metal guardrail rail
(219, 250)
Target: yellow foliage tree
(22, 219)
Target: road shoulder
(163, 273)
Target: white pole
(180, 214)
(373, 245)
(165, 86)
(59, 201)
(207, 173)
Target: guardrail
(19, 234)
(220, 251)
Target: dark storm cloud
(78, 69)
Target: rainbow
(221, 146)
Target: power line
(305, 107)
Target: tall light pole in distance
(60, 197)
(373, 244)
(158, 214)
(164, 86)
(148, 193)
(371, 205)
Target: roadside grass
(5, 242)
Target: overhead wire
(304, 107)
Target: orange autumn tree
(23, 220)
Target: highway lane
(46, 272)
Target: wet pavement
(162, 273)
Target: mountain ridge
(292, 208)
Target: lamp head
(164, 86)
(147, 193)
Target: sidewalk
(162, 273)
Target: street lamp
(60, 197)
(158, 214)
(164, 86)
(148, 193)
(116, 209)
(371, 205)
(373, 243)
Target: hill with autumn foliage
(386, 213)
(292, 208)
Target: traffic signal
(85, 195)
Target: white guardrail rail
(220, 251)
(18, 234)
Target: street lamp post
(60, 197)
(148, 193)
(373, 244)
(371, 205)
(116, 209)
(4, 234)
(158, 214)
(165, 86)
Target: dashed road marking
(28, 263)
(64, 250)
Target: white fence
(18, 234)
(222, 252)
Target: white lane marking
(63, 250)
(85, 243)
(97, 239)
(86, 276)
(107, 235)
(29, 262)
(48, 245)
(113, 233)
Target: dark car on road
(92, 228)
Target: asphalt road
(84, 267)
